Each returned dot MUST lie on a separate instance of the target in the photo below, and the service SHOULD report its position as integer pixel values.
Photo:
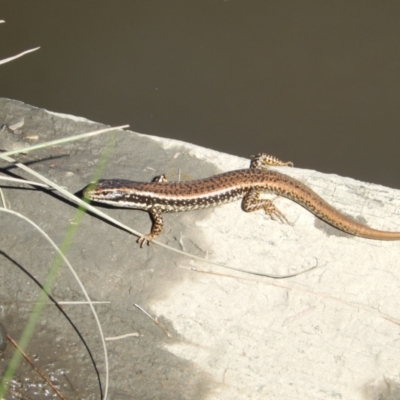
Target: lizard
(160, 196)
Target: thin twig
(3, 199)
(110, 338)
(30, 361)
(60, 141)
(153, 319)
(8, 178)
(6, 60)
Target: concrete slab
(331, 333)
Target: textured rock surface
(330, 333)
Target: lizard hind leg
(262, 160)
(252, 202)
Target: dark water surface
(314, 82)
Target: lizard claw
(274, 213)
(145, 239)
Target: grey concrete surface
(331, 333)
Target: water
(313, 82)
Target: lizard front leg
(158, 224)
